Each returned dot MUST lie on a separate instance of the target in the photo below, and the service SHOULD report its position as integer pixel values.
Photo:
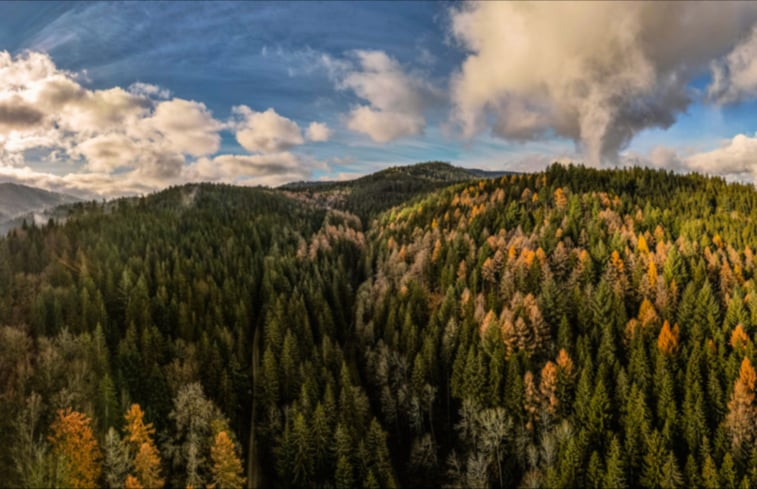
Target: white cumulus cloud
(396, 99)
(265, 132)
(735, 159)
(318, 132)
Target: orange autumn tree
(548, 387)
(146, 457)
(741, 410)
(76, 447)
(227, 468)
(739, 338)
(667, 341)
(531, 403)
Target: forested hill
(569, 328)
(367, 196)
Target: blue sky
(304, 61)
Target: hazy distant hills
(19, 202)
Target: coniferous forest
(568, 328)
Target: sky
(108, 99)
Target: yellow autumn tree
(741, 410)
(227, 468)
(642, 246)
(146, 461)
(561, 201)
(76, 448)
(437, 252)
(652, 274)
(667, 341)
(647, 314)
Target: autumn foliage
(667, 341)
(742, 416)
(739, 338)
(76, 448)
(146, 461)
(227, 468)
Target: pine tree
(594, 471)
(671, 476)
(710, 478)
(320, 434)
(302, 454)
(344, 477)
(727, 473)
(654, 472)
(614, 477)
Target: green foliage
(436, 329)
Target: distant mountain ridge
(376, 192)
(432, 171)
(19, 202)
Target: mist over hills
(21, 202)
(17, 200)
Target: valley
(421, 326)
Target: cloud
(734, 78)
(117, 141)
(107, 152)
(318, 132)
(269, 169)
(17, 114)
(596, 73)
(265, 132)
(396, 99)
(149, 90)
(735, 159)
(385, 126)
(187, 126)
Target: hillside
(366, 196)
(567, 328)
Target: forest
(421, 327)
